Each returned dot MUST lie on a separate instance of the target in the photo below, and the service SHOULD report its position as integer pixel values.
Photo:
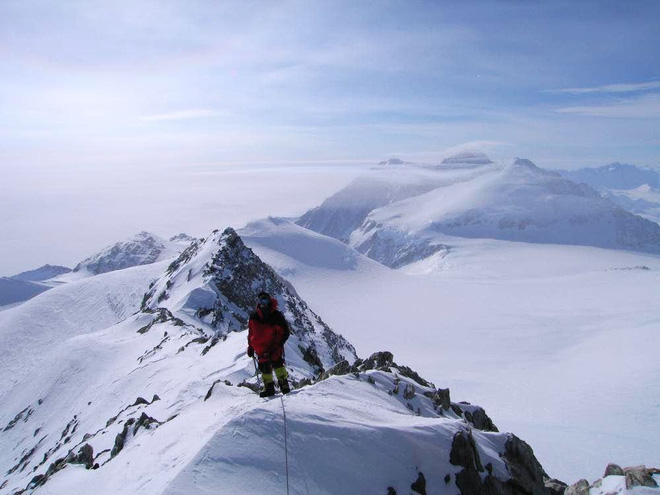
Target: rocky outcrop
(526, 474)
(639, 476)
(579, 488)
(630, 477)
(613, 470)
(131, 428)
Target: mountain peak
(142, 248)
(213, 286)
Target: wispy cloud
(195, 113)
(646, 107)
(610, 88)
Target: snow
(66, 311)
(557, 343)
(615, 485)
(519, 202)
(80, 360)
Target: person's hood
(273, 307)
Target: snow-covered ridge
(141, 249)
(150, 402)
(213, 284)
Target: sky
(113, 114)
(133, 83)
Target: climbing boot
(269, 390)
(284, 386)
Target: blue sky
(93, 83)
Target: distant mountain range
(403, 217)
(614, 176)
(633, 188)
(141, 249)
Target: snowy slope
(63, 313)
(151, 402)
(519, 202)
(340, 214)
(557, 342)
(141, 249)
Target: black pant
(269, 366)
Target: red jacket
(268, 333)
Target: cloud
(195, 113)
(610, 88)
(646, 107)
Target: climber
(267, 333)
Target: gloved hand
(250, 351)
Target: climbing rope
(286, 447)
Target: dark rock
(480, 420)
(495, 486)
(155, 398)
(120, 439)
(419, 485)
(378, 361)
(341, 368)
(16, 419)
(440, 398)
(214, 341)
(140, 400)
(527, 475)
(409, 391)
(554, 486)
(310, 356)
(613, 470)
(457, 410)
(579, 488)
(145, 421)
(413, 375)
(447, 479)
(639, 476)
(85, 456)
(464, 452)
(468, 482)
(391, 491)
